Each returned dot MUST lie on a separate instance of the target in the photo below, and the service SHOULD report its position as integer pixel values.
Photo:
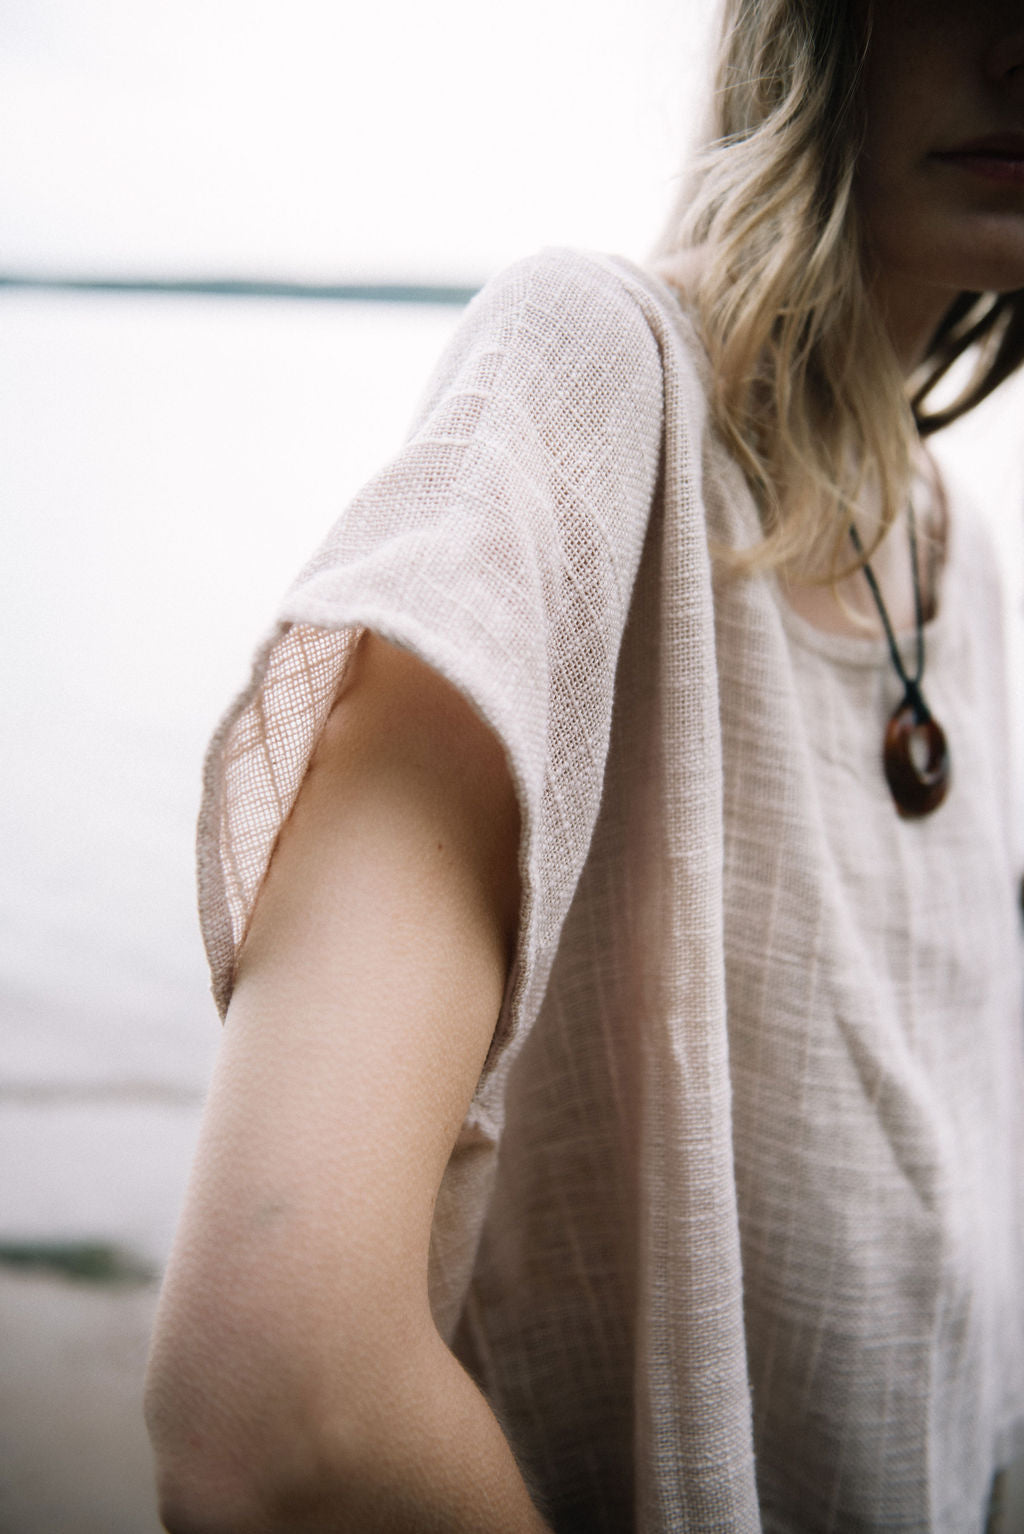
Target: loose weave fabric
(731, 1236)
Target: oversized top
(743, 1169)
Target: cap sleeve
(500, 546)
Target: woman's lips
(999, 157)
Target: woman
(668, 1175)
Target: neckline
(872, 650)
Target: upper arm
(501, 544)
(373, 971)
(367, 993)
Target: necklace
(914, 755)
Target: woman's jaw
(940, 183)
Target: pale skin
(297, 1381)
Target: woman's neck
(848, 607)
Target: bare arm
(297, 1381)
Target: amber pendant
(916, 760)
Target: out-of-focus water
(165, 466)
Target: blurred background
(186, 401)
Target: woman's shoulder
(574, 269)
(623, 311)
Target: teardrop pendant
(915, 754)
(916, 760)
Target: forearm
(437, 1460)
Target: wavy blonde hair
(807, 391)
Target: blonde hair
(807, 391)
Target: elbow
(184, 1508)
(191, 1500)
(258, 1425)
(213, 1494)
(202, 1486)
(224, 1472)
(208, 1491)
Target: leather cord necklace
(915, 755)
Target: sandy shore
(82, 1180)
(73, 1449)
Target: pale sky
(318, 139)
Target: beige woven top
(757, 1024)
